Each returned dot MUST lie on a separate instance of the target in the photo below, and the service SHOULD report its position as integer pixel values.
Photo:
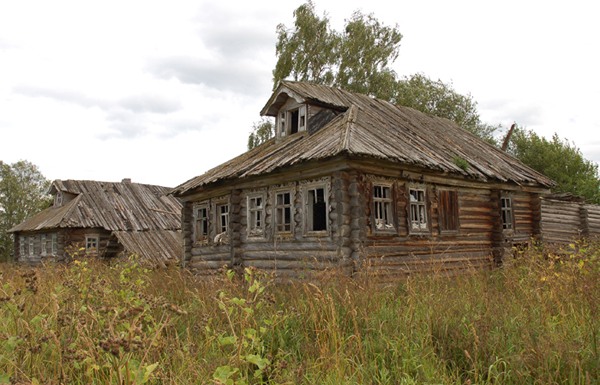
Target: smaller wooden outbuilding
(103, 219)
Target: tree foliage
(359, 59)
(261, 132)
(559, 160)
(440, 99)
(23, 192)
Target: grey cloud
(222, 76)
(127, 117)
(150, 103)
(507, 111)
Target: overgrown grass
(535, 322)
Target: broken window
(222, 218)
(418, 210)
(201, 221)
(382, 207)
(283, 211)
(316, 209)
(448, 208)
(58, 199)
(507, 214)
(256, 214)
(294, 115)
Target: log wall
(564, 221)
(401, 253)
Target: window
(256, 216)
(21, 245)
(54, 244)
(382, 207)
(58, 199)
(506, 211)
(283, 211)
(201, 223)
(316, 209)
(448, 207)
(222, 218)
(91, 243)
(31, 244)
(43, 244)
(418, 210)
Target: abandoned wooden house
(357, 184)
(104, 219)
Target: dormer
(61, 197)
(291, 118)
(296, 110)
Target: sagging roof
(113, 206)
(156, 247)
(373, 128)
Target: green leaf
(257, 360)
(227, 340)
(224, 373)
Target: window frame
(308, 209)
(220, 226)
(43, 251)
(420, 207)
(383, 205)
(93, 239)
(453, 210)
(507, 225)
(31, 250)
(22, 245)
(256, 216)
(203, 206)
(276, 210)
(54, 244)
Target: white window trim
(290, 190)
(31, 245)
(221, 237)
(54, 247)
(421, 211)
(254, 230)
(305, 187)
(378, 224)
(43, 250)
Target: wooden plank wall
(592, 214)
(561, 221)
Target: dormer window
(58, 199)
(292, 120)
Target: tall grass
(534, 322)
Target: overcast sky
(162, 91)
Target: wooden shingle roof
(113, 206)
(376, 129)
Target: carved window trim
(418, 215)
(283, 222)
(383, 204)
(310, 198)
(256, 214)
